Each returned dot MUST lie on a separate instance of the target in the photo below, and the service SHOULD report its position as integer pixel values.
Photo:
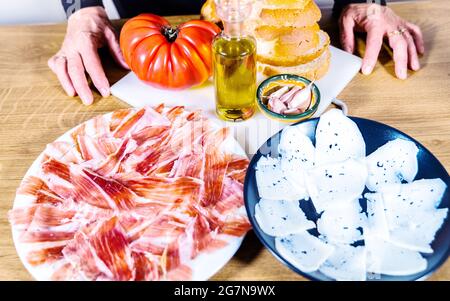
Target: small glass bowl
(281, 117)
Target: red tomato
(168, 57)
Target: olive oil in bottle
(234, 63)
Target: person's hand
(88, 30)
(405, 38)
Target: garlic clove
(302, 99)
(275, 105)
(278, 93)
(286, 98)
(293, 111)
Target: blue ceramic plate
(375, 134)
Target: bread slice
(291, 16)
(280, 4)
(293, 48)
(285, 34)
(313, 70)
(273, 11)
(208, 12)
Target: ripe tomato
(166, 56)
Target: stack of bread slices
(289, 39)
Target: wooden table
(34, 111)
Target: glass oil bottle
(234, 62)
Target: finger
(413, 58)
(76, 73)
(58, 64)
(374, 41)
(400, 49)
(418, 37)
(94, 68)
(114, 47)
(347, 25)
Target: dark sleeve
(71, 6)
(340, 4)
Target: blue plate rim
(426, 273)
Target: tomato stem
(170, 33)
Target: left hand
(87, 30)
(405, 38)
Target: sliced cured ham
(35, 190)
(118, 117)
(46, 236)
(215, 170)
(166, 190)
(56, 176)
(100, 191)
(149, 134)
(174, 112)
(41, 256)
(160, 236)
(63, 151)
(104, 252)
(237, 168)
(99, 148)
(138, 194)
(189, 164)
(65, 271)
(97, 127)
(50, 216)
(111, 165)
(231, 198)
(147, 266)
(21, 217)
(140, 119)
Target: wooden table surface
(34, 111)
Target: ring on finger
(397, 32)
(57, 57)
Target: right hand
(88, 30)
(405, 38)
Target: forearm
(71, 6)
(340, 4)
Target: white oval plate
(204, 266)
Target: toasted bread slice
(305, 9)
(290, 16)
(287, 51)
(280, 4)
(285, 34)
(313, 70)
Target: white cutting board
(251, 133)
